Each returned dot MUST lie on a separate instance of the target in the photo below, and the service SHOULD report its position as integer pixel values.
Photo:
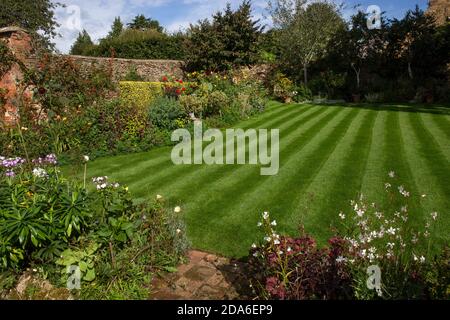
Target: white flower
(426, 234)
(340, 259)
(267, 239)
(158, 197)
(259, 224)
(415, 257)
(434, 215)
(289, 249)
(342, 216)
(404, 209)
(265, 215)
(423, 196)
(363, 253)
(390, 245)
(253, 246)
(391, 231)
(387, 185)
(360, 212)
(255, 254)
(379, 215)
(86, 158)
(280, 252)
(177, 209)
(422, 259)
(40, 173)
(276, 241)
(274, 223)
(178, 231)
(391, 174)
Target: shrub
(295, 268)
(164, 113)
(193, 104)
(282, 87)
(141, 44)
(140, 94)
(217, 102)
(373, 97)
(50, 223)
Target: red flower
(178, 91)
(183, 89)
(164, 79)
(180, 81)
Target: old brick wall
(150, 70)
(19, 44)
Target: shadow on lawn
(433, 109)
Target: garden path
(205, 277)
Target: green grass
(328, 155)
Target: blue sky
(96, 16)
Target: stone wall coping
(12, 29)
(122, 59)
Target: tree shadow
(412, 108)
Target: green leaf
(90, 275)
(83, 266)
(170, 269)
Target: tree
(116, 28)
(360, 47)
(230, 39)
(140, 22)
(82, 44)
(34, 16)
(413, 45)
(305, 30)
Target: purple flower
(11, 162)
(10, 173)
(49, 159)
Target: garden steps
(205, 277)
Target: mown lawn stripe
(341, 181)
(432, 168)
(258, 194)
(185, 173)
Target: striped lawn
(328, 156)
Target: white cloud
(96, 17)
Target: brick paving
(204, 277)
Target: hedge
(138, 93)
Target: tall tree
(116, 28)
(142, 23)
(34, 16)
(305, 30)
(82, 44)
(230, 39)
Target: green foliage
(229, 40)
(31, 15)
(140, 44)
(304, 32)
(139, 94)
(82, 44)
(6, 58)
(164, 111)
(52, 224)
(140, 22)
(133, 75)
(116, 28)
